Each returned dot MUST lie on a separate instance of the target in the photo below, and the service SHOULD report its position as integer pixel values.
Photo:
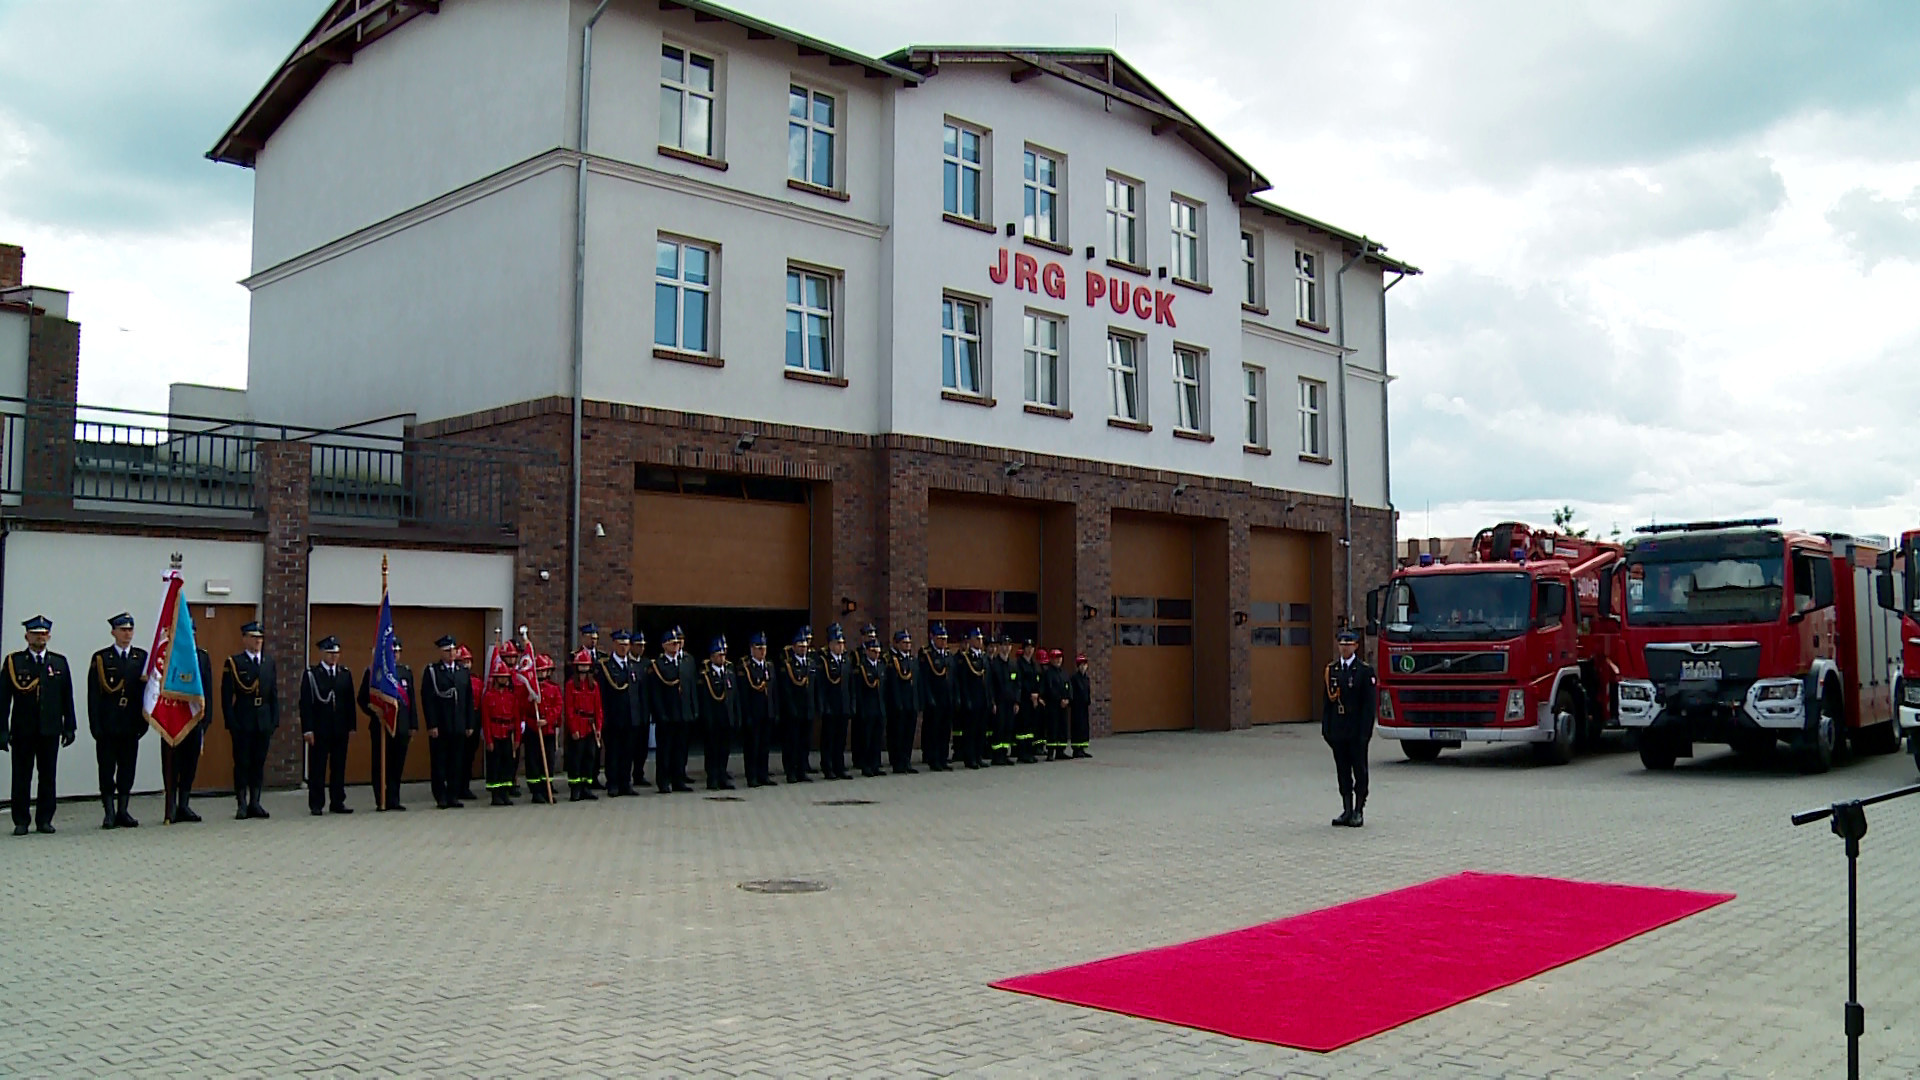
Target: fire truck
(1507, 647)
(1900, 594)
(1742, 633)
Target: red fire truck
(1740, 632)
(1900, 593)
(1507, 647)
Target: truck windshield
(1691, 592)
(1458, 607)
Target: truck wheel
(1656, 753)
(1821, 737)
(1560, 750)
(1428, 750)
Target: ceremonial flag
(384, 691)
(174, 699)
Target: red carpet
(1327, 978)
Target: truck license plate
(1441, 734)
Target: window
(1123, 372)
(809, 321)
(1255, 381)
(1043, 360)
(682, 295)
(1189, 372)
(1186, 242)
(1145, 621)
(1123, 220)
(1313, 407)
(686, 100)
(1250, 268)
(960, 346)
(1306, 287)
(962, 152)
(811, 125)
(1041, 171)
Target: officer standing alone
(1346, 722)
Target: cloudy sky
(1672, 251)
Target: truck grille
(1448, 663)
(1452, 718)
(1704, 662)
(1448, 696)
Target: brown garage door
(216, 628)
(1284, 618)
(417, 628)
(983, 566)
(1152, 613)
(703, 551)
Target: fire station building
(991, 337)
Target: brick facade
(13, 261)
(53, 381)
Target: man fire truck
(1507, 647)
(1900, 593)
(1740, 632)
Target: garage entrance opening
(738, 624)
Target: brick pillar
(1239, 600)
(905, 520)
(606, 562)
(283, 481)
(1093, 580)
(53, 383)
(855, 506)
(541, 499)
(13, 261)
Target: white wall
(450, 579)
(80, 581)
(440, 102)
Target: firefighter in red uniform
(584, 724)
(476, 738)
(500, 725)
(543, 727)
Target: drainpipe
(1386, 457)
(579, 317)
(1346, 470)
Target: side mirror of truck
(1373, 612)
(1884, 561)
(1606, 593)
(1883, 588)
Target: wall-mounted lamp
(1009, 228)
(545, 575)
(1087, 612)
(744, 443)
(1179, 489)
(847, 606)
(1089, 251)
(599, 529)
(1012, 468)
(1239, 618)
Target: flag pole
(379, 722)
(546, 767)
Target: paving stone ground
(613, 938)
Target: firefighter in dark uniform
(1056, 701)
(446, 700)
(719, 706)
(326, 723)
(834, 701)
(1027, 725)
(250, 707)
(1080, 693)
(620, 713)
(935, 677)
(116, 689)
(645, 738)
(869, 705)
(1004, 687)
(670, 690)
(794, 698)
(390, 751)
(1346, 722)
(180, 763)
(903, 704)
(38, 689)
(757, 717)
(973, 699)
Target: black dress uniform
(903, 703)
(757, 716)
(1080, 694)
(390, 766)
(180, 763)
(250, 707)
(620, 717)
(1003, 681)
(719, 706)
(793, 697)
(973, 702)
(670, 690)
(643, 711)
(327, 717)
(1346, 722)
(834, 700)
(1027, 725)
(935, 676)
(116, 689)
(446, 706)
(869, 680)
(38, 689)
(1054, 703)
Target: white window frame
(1124, 219)
(1190, 389)
(957, 162)
(1188, 240)
(681, 287)
(1308, 306)
(1253, 268)
(1253, 385)
(1120, 374)
(953, 338)
(805, 311)
(812, 128)
(1313, 419)
(688, 92)
(1041, 357)
(1034, 191)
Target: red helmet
(543, 662)
(583, 659)
(499, 670)
(462, 653)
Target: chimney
(13, 261)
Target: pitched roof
(1375, 250)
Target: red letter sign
(1025, 269)
(1096, 288)
(998, 271)
(1054, 280)
(1163, 307)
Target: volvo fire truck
(1507, 647)
(1900, 594)
(1743, 633)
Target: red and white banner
(174, 700)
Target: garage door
(1152, 612)
(983, 566)
(703, 551)
(1283, 620)
(417, 628)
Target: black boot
(123, 819)
(1359, 807)
(254, 809)
(240, 810)
(107, 821)
(183, 812)
(1346, 815)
